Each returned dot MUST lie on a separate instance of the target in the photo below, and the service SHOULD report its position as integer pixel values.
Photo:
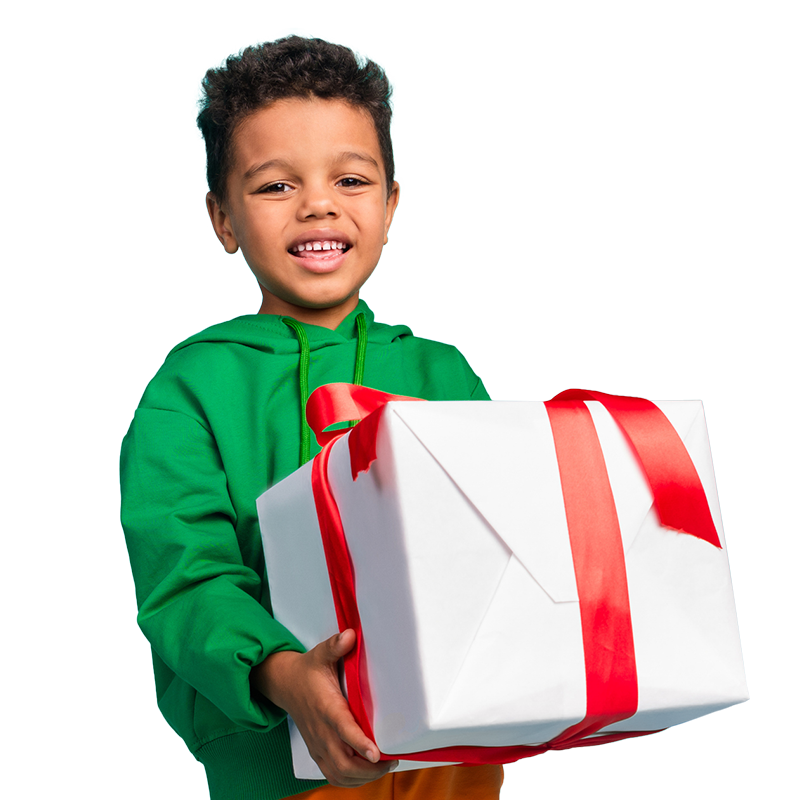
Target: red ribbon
(611, 684)
(678, 495)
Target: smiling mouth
(323, 248)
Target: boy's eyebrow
(352, 155)
(348, 155)
(256, 168)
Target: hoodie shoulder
(252, 330)
(379, 333)
(209, 363)
(439, 370)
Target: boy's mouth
(319, 249)
(320, 255)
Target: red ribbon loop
(678, 494)
(342, 402)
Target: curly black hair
(288, 67)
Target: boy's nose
(319, 202)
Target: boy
(300, 172)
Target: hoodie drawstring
(361, 353)
(303, 366)
(305, 360)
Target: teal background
(596, 207)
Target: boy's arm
(199, 604)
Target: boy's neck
(329, 318)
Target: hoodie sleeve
(479, 392)
(474, 384)
(198, 602)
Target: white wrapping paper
(466, 586)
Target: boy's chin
(328, 312)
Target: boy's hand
(306, 686)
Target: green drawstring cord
(305, 362)
(361, 354)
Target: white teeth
(327, 244)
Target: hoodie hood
(278, 335)
(270, 334)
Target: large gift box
(522, 576)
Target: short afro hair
(290, 67)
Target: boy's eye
(276, 188)
(351, 182)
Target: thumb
(340, 644)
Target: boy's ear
(391, 204)
(221, 223)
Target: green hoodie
(219, 424)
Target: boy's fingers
(347, 730)
(328, 652)
(355, 758)
(353, 771)
(350, 733)
(340, 644)
(351, 759)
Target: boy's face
(309, 206)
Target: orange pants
(436, 783)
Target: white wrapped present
(489, 617)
